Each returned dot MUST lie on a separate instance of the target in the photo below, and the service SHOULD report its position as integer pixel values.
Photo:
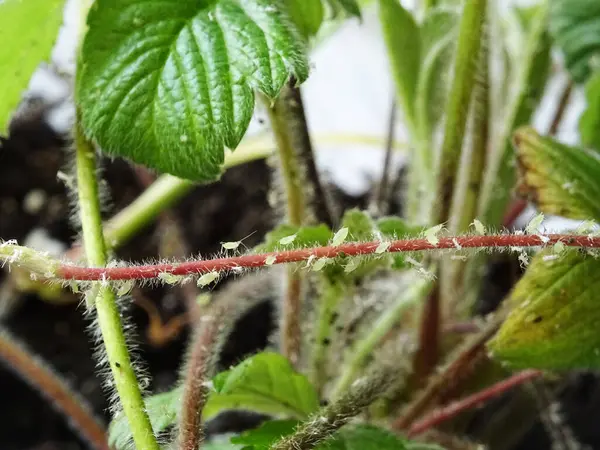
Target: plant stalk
(107, 311)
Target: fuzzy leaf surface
(170, 83)
(264, 383)
(575, 27)
(555, 313)
(363, 437)
(28, 30)
(266, 435)
(559, 179)
(162, 410)
(589, 123)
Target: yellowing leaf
(555, 314)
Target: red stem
(72, 272)
(453, 409)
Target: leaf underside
(169, 83)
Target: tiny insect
(559, 247)
(431, 234)
(534, 224)
(207, 278)
(168, 278)
(125, 288)
(340, 236)
(320, 263)
(233, 245)
(382, 247)
(479, 228)
(287, 240)
(270, 260)
(351, 266)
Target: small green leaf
(555, 313)
(28, 30)
(162, 410)
(264, 383)
(350, 7)
(267, 434)
(307, 15)
(169, 84)
(559, 179)
(589, 123)
(363, 437)
(575, 27)
(401, 36)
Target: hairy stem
(453, 409)
(331, 418)
(68, 271)
(458, 368)
(54, 388)
(364, 348)
(457, 107)
(105, 303)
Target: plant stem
(331, 418)
(457, 107)
(459, 368)
(54, 388)
(233, 263)
(105, 303)
(560, 108)
(329, 299)
(453, 409)
(364, 348)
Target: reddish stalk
(453, 409)
(55, 389)
(235, 263)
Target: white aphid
(559, 247)
(310, 260)
(320, 263)
(207, 278)
(431, 234)
(547, 258)
(168, 278)
(125, 288)
(544, 239)
(382, 247)
(456, 243)
(287, 240)
(270, 260)
(230, 245)
(340, 236)
(479, 228)
(351, 266)
(534, 224)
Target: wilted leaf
(555, 313)
(575, 27)
(559, 179)
(162, 410)
(169, 84)
(264, 383)
(28, 30)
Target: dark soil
(235, 207)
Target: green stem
(457, 107)
(364, 348)
(329, 299)
(105, 303)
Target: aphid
(320, 263)
(382, 247)
(233, 245)
(125, 288)
(351, 266)
(586, 227)
(207, 278)
(456, 243)
(287, 240)
(559, 247)
(310, 260)
(339, 237)
(168, 278)
(270, 260)
(534, 224)
(479, 228)
(431, 234)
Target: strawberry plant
(379, 343)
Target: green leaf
(575, 27)
(350, 7)
(307, 15)
(162, 410)
(363, 437)
(305, 237)
(267, 434)
(264, 383)
(589, 123)
(559, 179)
(168, 84)
(555, 313)
(401, 36)
(28, 29)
